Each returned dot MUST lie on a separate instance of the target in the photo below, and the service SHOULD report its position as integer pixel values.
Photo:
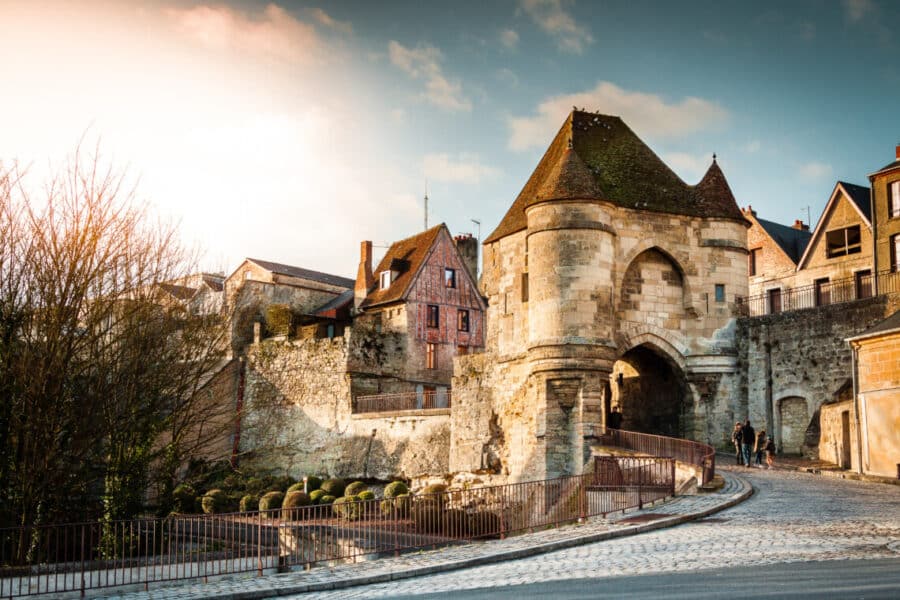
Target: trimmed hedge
(316, 496)
(313, 483)
(183, 499)
(334, 487)
(355, 488)
(394, 489)
(249, 502)
(271, 501)
(214, 501)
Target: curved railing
(686, 451)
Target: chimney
(364, 277)
(898, 152)
(749, 210)
(798, 224)
(467, 246)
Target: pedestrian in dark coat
(748, 437)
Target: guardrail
(403, 401)
(686, 451)
(79, 557)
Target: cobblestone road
(792, 517)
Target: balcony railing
(837, 291)
(689, 452)
(403, 401)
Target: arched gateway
(609, 280)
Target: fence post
(640, 479)
(672, 478)
(259, 565)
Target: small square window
(720, 292)
(449, 278)
(433, 316)
(385, 280)
(462, 320)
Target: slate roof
(179, 292)
(408, 254)
(860, 197)
(598, 157)
(890, 324)
(337, 307)
(792, 241)
(887, 167)
(301, 273)
(215, 282)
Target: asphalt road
(845, 580)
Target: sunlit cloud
(325, 19)
(857, 10)
(553, 19)
(464, 168)
(272, 33)
(509, 39)
(815, 170)
(424, 62)
(690, 167)
(648, 114)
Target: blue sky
(291, 131)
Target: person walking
(736, 440)
(615, 418)
(770, 453)
(759, 448)
(748, 436)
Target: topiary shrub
(394, 489)
(402, 505)
(249, 503)
(271, 501)
(327, 499)
(347, 507)
(387, 507)
(334, 487)
(283, 482)
(366, 495)
(279, 319)
(355, 488)
(315, 496)
(313, 483)
(484, 523)
(214, 501)
(297, 487)
(254, 485)
(434, 488)
(183, 499)
(290, 507)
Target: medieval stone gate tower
(610, 282)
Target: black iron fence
(79, 557)
(823, 293)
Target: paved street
(793, 517)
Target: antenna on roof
(426, 204)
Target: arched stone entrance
(651, 390)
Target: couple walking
(746, 441)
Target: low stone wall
(298, 418)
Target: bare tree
(95, 361)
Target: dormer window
(385, 280)
(842, 242)
(449, 277)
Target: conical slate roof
(598, 157)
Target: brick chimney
(467, 246)
(798, 224)
(749, 210)
(364, 278)
(898, 152)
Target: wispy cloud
(552, 17)
(272, 33)
(424, 62)
(509, 38)
(815, 170)
(508, 77)
(690, 167)
(649, 114)
(857, 10)
(463, 168)
(325, 19)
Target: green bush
(387, 507)
(366, 495)
(254, 485)
(402, 504)
(183, 499)
(279, 319)
(394, 489)
(355, 488)
(297, 487)
(313, 483)
(214, 501)
(283, 482)
(434, 488)
(327, 499)
(290, 507)
(249, 502)
(347, 507)
(334, 487)
(315, 496)
(271, 501)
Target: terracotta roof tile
(598, 157)
(409, 253)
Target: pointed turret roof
(598, 157)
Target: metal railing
(403, 401)
(698, 454)
(837, 291)
(76, 558)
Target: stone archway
(651, 390)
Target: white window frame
(384, 281)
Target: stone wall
(879, 392)
(837, 443)
(792, 363)
(298, 419)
